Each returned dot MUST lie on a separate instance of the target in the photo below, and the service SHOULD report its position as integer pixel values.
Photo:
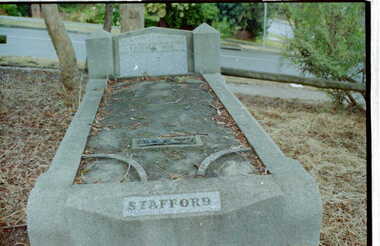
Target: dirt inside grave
(163, 109)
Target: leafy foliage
(245, 16)
(93, 13)
(15, 9)
(183, 15)
(328, 40)
(224, 27)
(156, 10)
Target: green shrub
(15, 9)
(224, 27)
(245, 16)
(182, 15)
(89, 13)
(329, 41)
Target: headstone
(153, 54)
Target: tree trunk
(108, 17)
(131, 16)
(70, 75)
(3, 39)
(3, 107)
(36, 10)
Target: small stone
(194, 81)
(233, 168)
(104, 171)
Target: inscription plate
(153, 54)
(171, 204)
(160, 142)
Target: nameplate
(171, 204)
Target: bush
(89, 13)
(182, 15)
(224, 27)
(15, 9)
(245, 16)
(329, 41)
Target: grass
(329, 142)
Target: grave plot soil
(170, 107)
(331, 144)
(30, 133)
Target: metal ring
(213, 157)
(140, 170)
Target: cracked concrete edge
(302, 197)
(63, 168)
(66, 160)
(261, 142)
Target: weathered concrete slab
(302, 207)
(174, 124)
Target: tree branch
(319, 83)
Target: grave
(161, 153)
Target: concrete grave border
(287, 203)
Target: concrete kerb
(39, 24)
(302, 200)
(264, 146)
(247, 46)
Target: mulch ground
(29, 135)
